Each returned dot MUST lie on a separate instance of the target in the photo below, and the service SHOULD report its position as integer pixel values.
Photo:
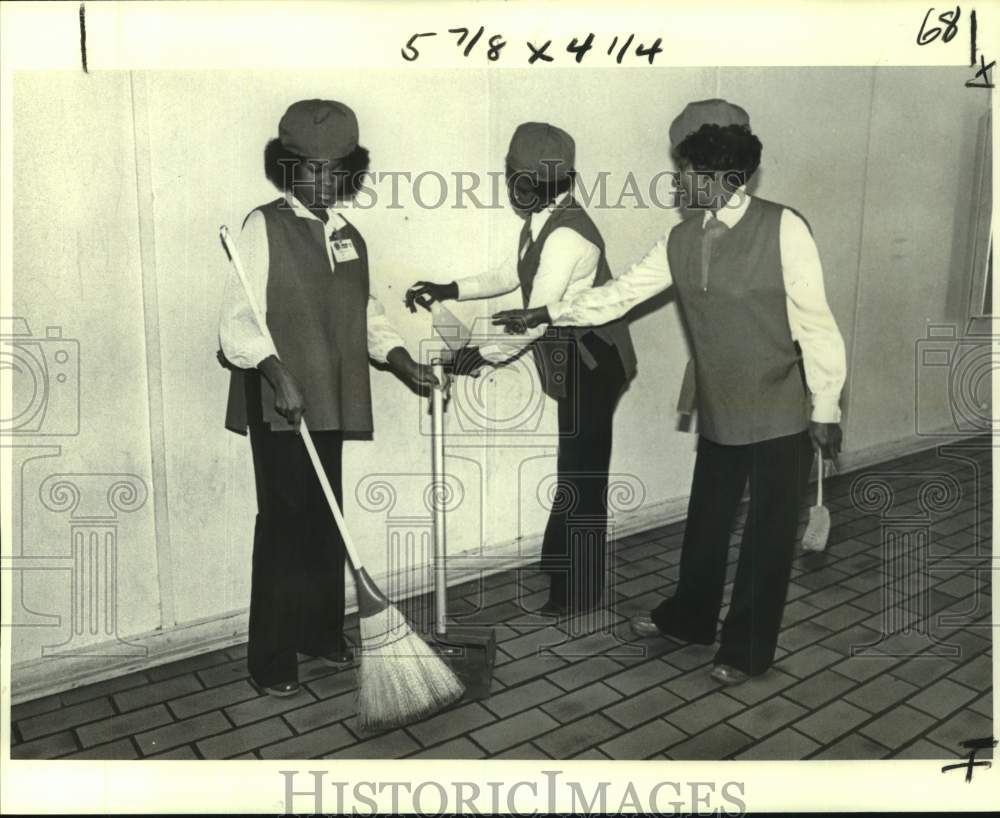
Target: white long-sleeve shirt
(242, 341)
(809, 317)
(567, 266)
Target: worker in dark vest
(585, 369)
(309, 265)
(768, 369)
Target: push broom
(818, 528)
(400, 678)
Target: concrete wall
(122, 181)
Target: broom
(818, 528)
(400, 678)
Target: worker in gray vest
(585, 369)
(309, 266)
(768, 369)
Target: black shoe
(729, 675)
(283, 690)
(644, 626)
(553, 608)
(342, 657)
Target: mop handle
(438, 491)
(306, 437)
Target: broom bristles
(401, 679)
(817, 530)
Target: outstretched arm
(566, 256)
(599, 305)
(496, 281)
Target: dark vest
(318, 321)
(747, 367)
(551, 351)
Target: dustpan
(818, 528)
(469, 651)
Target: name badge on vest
(343, 250)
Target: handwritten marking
(83, 38)
(984, 73)
(948, 18)
(973, 745)
(413, 49)
(577, 47)
(972, 36)
(539, 53)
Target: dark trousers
(574, 549)
(777, 470)
(297, 581)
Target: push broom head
(818, 528)
(401, 680)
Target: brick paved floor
(590, 690)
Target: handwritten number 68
(950, 21)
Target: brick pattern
(561, 690)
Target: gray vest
(748, 376)
(319, 324)
(552, 353)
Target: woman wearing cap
(309, 266)
(585, 369)
(750, 287)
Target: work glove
(426, 293)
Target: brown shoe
(729, 675)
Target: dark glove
(517, 322)
(426, 293)
(468, 361)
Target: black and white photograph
(523, 392)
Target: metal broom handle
(306, 437)
(438, 493)
(819, 485)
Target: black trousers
(297, 581)
(778, 471)
(574, 549)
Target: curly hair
(725, 148)
(279, 162)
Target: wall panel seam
(151, 334)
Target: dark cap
(706, 112)
(319, 129)
(537, 147)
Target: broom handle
(819, 489)
(306, 437)
(437, 457)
